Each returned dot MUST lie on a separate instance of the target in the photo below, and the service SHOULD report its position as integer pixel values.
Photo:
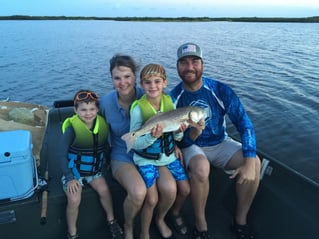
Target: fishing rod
(44, 201)
(44, 187)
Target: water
(273, 67)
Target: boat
(285, 206)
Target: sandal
(178, 223)
(201, 235)
(69, 236)
(243, 231)
(115, 230)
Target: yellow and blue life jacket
(164, 144)
(89, 148)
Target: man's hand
(196, 129)
(246, 173)
(199, 125)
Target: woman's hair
(123, 60)
(152, 70)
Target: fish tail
(129, 139)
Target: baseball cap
(189, 49)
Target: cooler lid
(15, 143)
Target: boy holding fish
(154, 151)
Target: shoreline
(314, 19)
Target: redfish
(170, 122)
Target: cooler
(18, 174)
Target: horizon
(162, 8)
(147, 17)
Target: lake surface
(273, 67)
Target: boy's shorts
(83, 180)
(150, 172)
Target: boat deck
(219, 217)
(286, 205)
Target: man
(210, 144)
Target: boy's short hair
(85, 96)
(152, 70)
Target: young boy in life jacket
(154, 155)
(83, 150)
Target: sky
(161, 8)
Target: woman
(115, 108)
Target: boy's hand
(73, 186)
(157, 131)
(182, 127)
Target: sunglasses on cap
(84, 95)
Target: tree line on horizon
(314, 19)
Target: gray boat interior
(286, 204)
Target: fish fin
(129, 139)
